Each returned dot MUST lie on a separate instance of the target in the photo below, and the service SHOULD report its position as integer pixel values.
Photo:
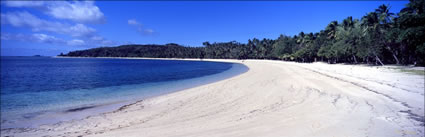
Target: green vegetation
(153, 51)
(379, 37)
(417, 72)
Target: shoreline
(184, 59)
(273, 98)
(97, 108)
(418, 70)
(360, 64)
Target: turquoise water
(44, 90)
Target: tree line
(379, 37)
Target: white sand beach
(271, 99)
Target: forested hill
(380, 37)
(152, 51)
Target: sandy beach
(271, 99)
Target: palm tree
(411, 24)
(347, 38)
(385, 16)
(386, 20)
(415, 7)
(371, 31)
(348, 23)
(331, 29)
(370, 21)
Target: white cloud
(76, 42)
(77, 11)
(49, 39)
(8, 36)
(37, 37)
(139, 27)
(107, 43)
(21, 19)
(23, 3)
(25, 19)
(96, 38)
(81, 30)
(43, 38)
(148, 31)
(100, 41)
(133, 22)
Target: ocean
(47, 90)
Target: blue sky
(49, 28)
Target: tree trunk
(396, 59)
(379, 60)
(355, 60)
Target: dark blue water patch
(43, 74)
(80, 87)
